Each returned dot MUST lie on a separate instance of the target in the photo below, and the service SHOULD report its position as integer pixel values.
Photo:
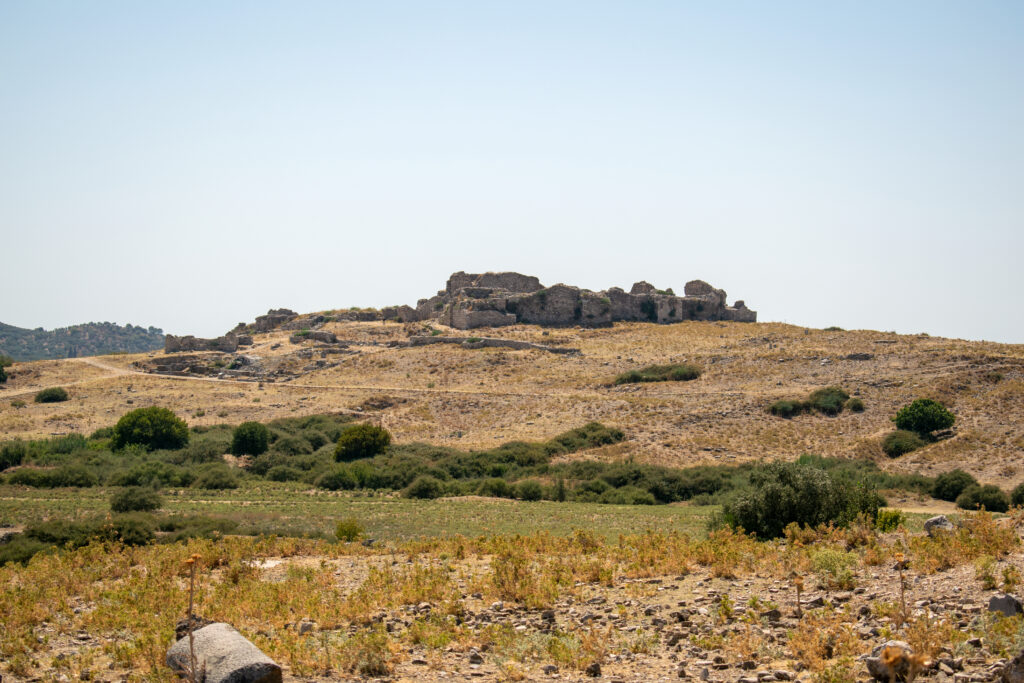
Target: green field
(290, 509)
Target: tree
(924, 416)
(152, 428)
(3, 375)
(250, 438)
(361, 441)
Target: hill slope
(470, 397)
(90, 339)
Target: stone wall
(496, 299)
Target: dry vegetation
(642, 607)
(445, 394)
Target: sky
(189, 165)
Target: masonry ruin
(497, 299)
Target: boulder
(1005, 604)
(938, 524)
(890, 661)
(1013, 672)
(224, 655)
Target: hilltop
(89, 339)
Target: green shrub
(337, 480)
(152, 428)
(1017, 495)
(69, 443)
(315, 438)
(21, 549)
(101, 434)
(786, 408)
(829, 400)
(250, 438)
(216, 478)
(529, 490)
(208, 450)
(361, 441)
(12, 453)
(682, 372)
(899, 442)
(949, 485)
(989, 496)
(784, 493)
(5, 360)
(889, 520)
(292, 445)
(135, 499)
(3, 375)
(284, 473)
(855, 405)
(52, 395)
(348, 530)
(924, 416)
(426, 487)
(496, 488)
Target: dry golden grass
(476, 398)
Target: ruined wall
(493, 299)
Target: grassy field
(285, 509)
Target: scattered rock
(594, 670)
(1006, 604)
(938, 524)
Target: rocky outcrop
(227, 344)
(497, 299)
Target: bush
(12, 453)
(829, 400)
(784, 493)
(889, 520)
(924, 416)
(949, 485)
(216, 478)
(660, 373)
(337, 480)
(3, 375)
(152, 428)
(284, 473)
(292, 445)
(787, 408)
(1017, 495)
(990, 497)
(250, 438)
(855, 405)
(21, 549)
(529, 490)
(52, 395)
(348, 530)
(426, 487)
(899, 442)
(361, 441)
(496, 488)
(135, 499)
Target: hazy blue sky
(190, 164)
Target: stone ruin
(494, 300)
(497, 299)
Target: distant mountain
(90, 339)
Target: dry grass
(476, 398)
